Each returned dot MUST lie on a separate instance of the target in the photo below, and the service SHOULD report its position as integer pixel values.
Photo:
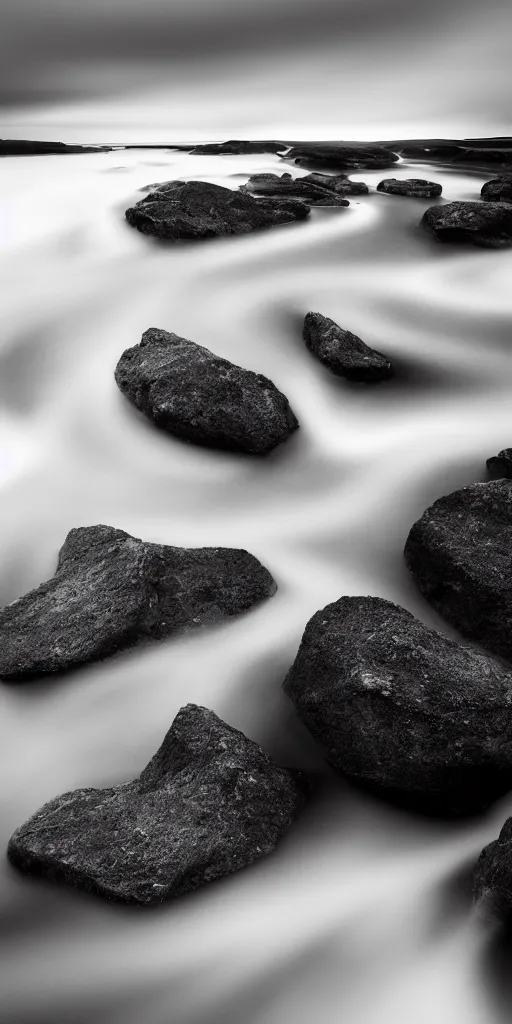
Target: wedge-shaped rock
(284, 185)
(112, 590)
(343, 352)
(492, 882)
(498, 190)
(198, 209)
(418, 188)
(488, 225)
(402, 709)
(459, 553)
(337, 183)
(342, 155)
(500, 465)
(209, 802)
(200, 397)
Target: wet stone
(497, 190)
(492, 880)
(487, 224)
(237, 147)
(500, 465)
(338, 183)
(342, 156)
(418, 188)
(342, 352)
(299, 188)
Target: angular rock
(285, 185)
(498, 190)
(459, 555)
(198, 209)
(112, 590)
(337, 183)
(492, 880)
(500, 465)
(200, 397)
(343, 352)
(208, 803)
(488, 225)
(22, 147)
(416, 187)
(402, 709)
(236, 147)
(354, 155)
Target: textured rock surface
(497, 190)
(112, 590)
(343, 352)
(402, 709)
(342, 156)
(198, 209)
(492, 882)
(488, 225)
(500, 465)
(337, 183)
(459, 555)
(285, 185)
(416, 187)
(238, 146)
(200, 397)
(209, 802)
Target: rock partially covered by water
(299, 188)
(492, 881)
(112, 590)
(459, 555)
(198, 209)
(208, 803)
(403, 710)
(23, 147)
(498, 190)
(343, 352)
(236, 147)
(200, 397)
(342, 155)
(488, 225)
(416, 187)
(338, 183)
(500, 465)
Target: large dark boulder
(497, 190)
(112, 590)
(488, 225)
(208, 803)
(200, 397)
(492, 880)
(22, 147)
(236, 147)
(459, 553)
(338, 183)
(342, 156)
(500, 465)
(299, 188)
(403, 710)
(343, 352)
(418, 188)
(198, 209)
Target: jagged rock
(299, 188)
(112, 590)
(416, 187)
(340, 155)
(343, 352)
(459, 555)
(403, 710)
(337, 183)
(488, 225)
(236, 147)
(498, 190)
(492, 880)
(198, 209)
(208, 803)
(21, 147)
(500, 465)
(200, 397)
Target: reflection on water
(359, 915)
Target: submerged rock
(343, 352)
(208, 803)
(200, 397)
(342, 155)
(488, 225)
(492, 881)
(299, 188)
(337, 183)
(459, 555)
(402, 709)
(112, 590)
(236, 147)
(497, 190)
(198, 209)
(416, 187)
(500, 465)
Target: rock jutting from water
(497, 190)
(23, 147)
(356, 156)
(492, 878)
(197, 209)
(459, 555)
(500, 465)
(202, 398)
(111, 591)
(343, 352)
(402, 710)
(209, 803)
(284, 185)
(488, 225)
(238, 147)
(417, 188)
(337, 183)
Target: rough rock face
(208, 803)
(200, 397)
(343, 352)
(492, 880)
(498, 190)
(459, 555)
(500, 465)
(198, 209)
(416, 187)
(354, 155)
(402, 709)
(299, 188)
(488, 225)
(453, 152)
(337, 183)
(112, 590)
(236, 146)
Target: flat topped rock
(197, 209)
(488, 225)
(285, 185)
(338, 183)
(235, 147)
(209, 802)
(498, 190)
(24, 147)
(500, 465)
(418, 188)
(459, 555)
(200, 397)
(402, 709)
(355, 156)
(112, 590)
(343, 352)
(492, 880)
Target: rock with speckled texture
(487, 225)
(492, 879)
(417, 188)
(284, 185)
(338, 183)
(344, 353)
(343, 156)
(498, 190)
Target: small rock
(355, 156)
(198, 209)
(403, 710)
(208, 803)
(498, 190)
(492, 880)
(416, 187)
(274, 185)
(488, 225)
(459, 555)
(337, 183)
(200, 397)
(500, 465)
(343, 352)
(112, 590)
(236, 147)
